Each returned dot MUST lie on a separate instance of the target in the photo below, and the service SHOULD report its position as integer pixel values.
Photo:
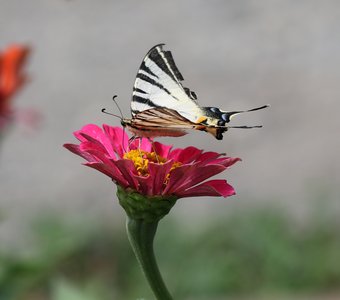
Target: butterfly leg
(139, 145)
(123, 142)
(154, 149)
(132, 139)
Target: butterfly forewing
(158, 84)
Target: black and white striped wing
(158, 84)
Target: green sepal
(142, 207)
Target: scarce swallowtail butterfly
(162, 106)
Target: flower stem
(141, 235)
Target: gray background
(233, 54)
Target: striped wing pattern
(158, 85)
(162, 106)
(162, 117)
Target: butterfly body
(162, 106)
(162, 122)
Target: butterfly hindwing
(159, 122)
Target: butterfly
(162, 106)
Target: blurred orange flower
(11, 76)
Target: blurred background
(61, 228)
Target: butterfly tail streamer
(231, 114)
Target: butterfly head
(214, 119)
(124, 122)
(215, 116)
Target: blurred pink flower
(152, 169)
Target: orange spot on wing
(201, 119)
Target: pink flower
(152, 169)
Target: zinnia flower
(152, 169)
(150, 177)
(11, 78)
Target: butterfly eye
(214, 109)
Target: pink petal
(101, 157)
(117, 138)
(225, 161)
(91, 130)
(209, 188)
(90, 142)
(141, 143)
(143, 184)
(93, 148)
(157, 176)
(128, 170)
(76, 150)
(109, 171)
(87, 138)
(176, 179)
(154, 182)
(186, 155)
(161, 149)
(208, 156)
(193, 176)
(96, 135)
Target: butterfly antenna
(114, 100)
(111, 114)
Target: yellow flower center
(142, 158)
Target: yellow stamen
(142, 158)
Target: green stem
(141, 235)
